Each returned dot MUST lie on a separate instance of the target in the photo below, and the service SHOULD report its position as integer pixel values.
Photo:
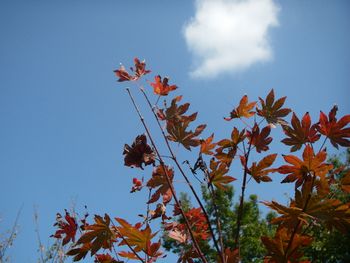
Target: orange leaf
(244, 109)
(259, 171)
(301, 170)
(207, 146)
(218, 176)
(161, 87)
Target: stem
(195, 243)
(184, 176)
(241, 204)
(324, 141)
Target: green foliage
(255, 226)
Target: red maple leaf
(67, 227)
(260, 139)
(300, 132)
(301, 170)
(160, 87)
(335, 130)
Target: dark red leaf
(139, 153)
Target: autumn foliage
(116, 240)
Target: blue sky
(65, 119)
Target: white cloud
(230, 35)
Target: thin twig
(12, 235)
(36, 219)
(324, 141)
(195, 243)
(241, 204)
(184, 175)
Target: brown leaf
(178, 133)
(79, 252)
(159, 179)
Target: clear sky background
(65, 119)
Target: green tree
(254, 225)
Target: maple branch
(184, 175)
(241, 203)
(195, 243)
(295, 230)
